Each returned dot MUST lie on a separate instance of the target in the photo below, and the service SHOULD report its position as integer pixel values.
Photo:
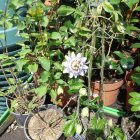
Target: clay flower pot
(110, 93)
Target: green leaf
(137, 69)
(45, 63)
(93, 123)
(32, 67)
(57, 75)
(136, 45)
(55, 35)
(135, 95)
(127, 62)
(21, 25)
(130, 28)
(138, 8)
(44, 22)
(99, 138)
(108, 7)
(135, 108)
(70, 41)
(24, 35)
(58, 66)
(14, 103)
(101, 124)
(136, 78)
(65, 10)
(119, 54)
(3, 56)
(116, 2)
(69, 128)
(21, 62)
(53, 94)
(134, 101)
(41, 91)
(45, 76)
(11, 80)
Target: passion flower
(75, 65)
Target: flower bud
(60, 90)
(78, 129)
(83, 92)
(110, 123)
(85, 112)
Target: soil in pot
(130, 126)
(46, 125)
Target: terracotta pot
(110, 93)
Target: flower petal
(72, 55)
(85, 67)
(84, 59)
(71, 75)
(66, 70)
(82, 73)
(66, 64)
(79, 55)
(67, 58)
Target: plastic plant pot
(42, 108)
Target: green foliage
(70, 125)
(65, 10)
(135, 101)
(97, 126)
(136, 76)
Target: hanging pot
(110, 93)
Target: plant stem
(102, 65)
(78, 107)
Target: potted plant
(46, 123)
(21, 103)
(115, 68)
(22, 96)
(106, 69)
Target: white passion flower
(75, 65)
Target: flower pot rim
(111, 83)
